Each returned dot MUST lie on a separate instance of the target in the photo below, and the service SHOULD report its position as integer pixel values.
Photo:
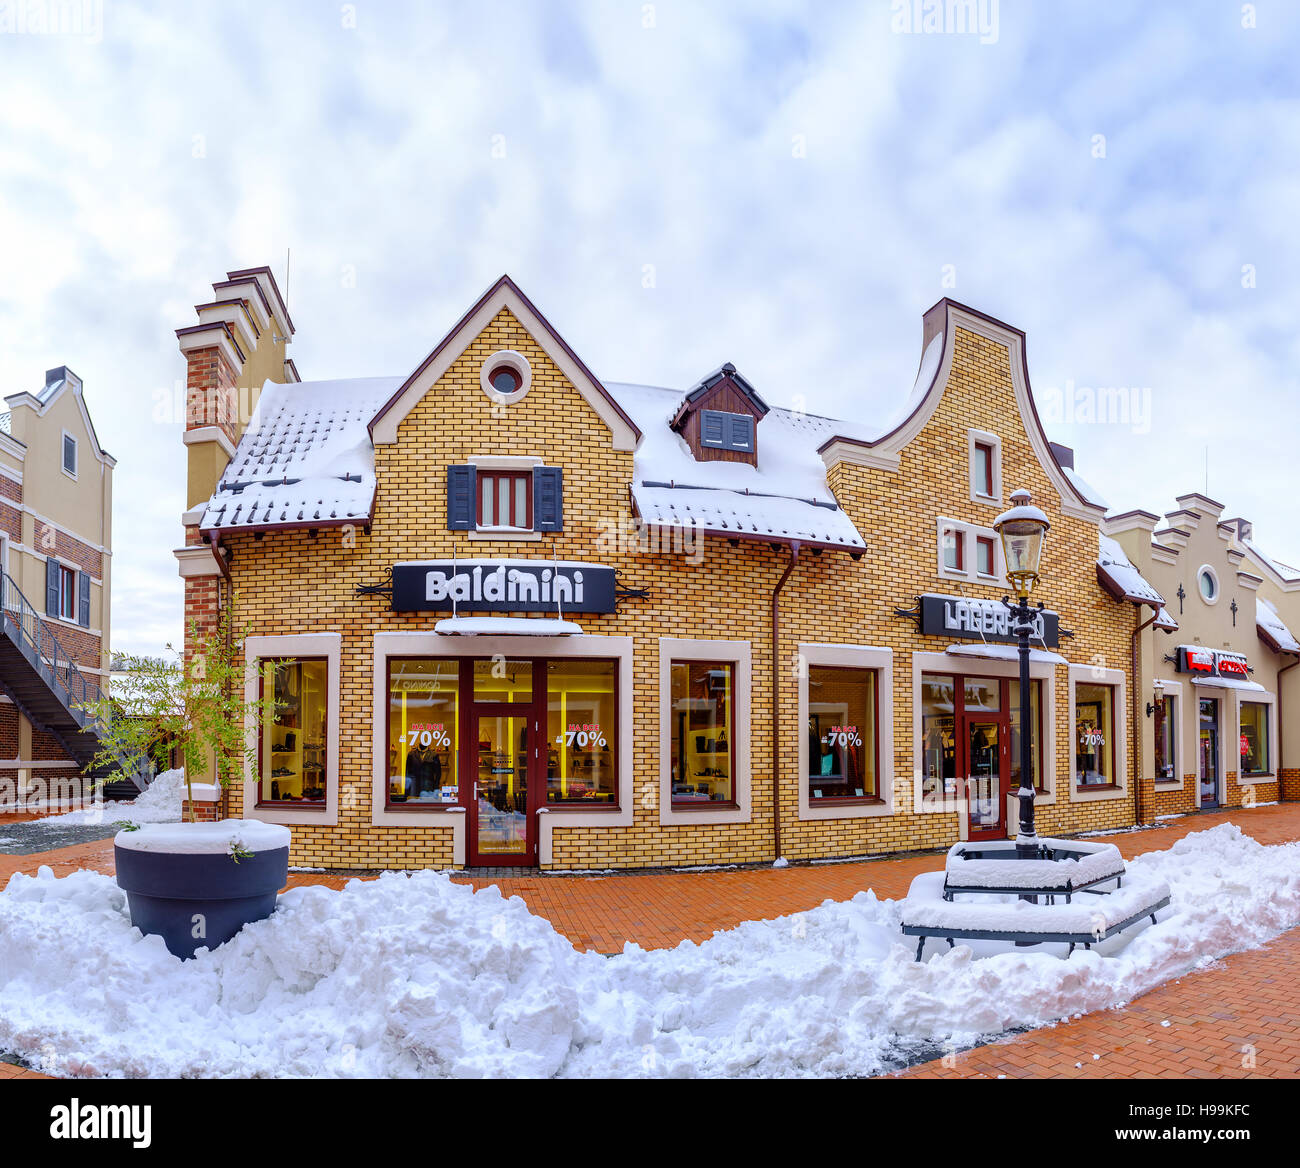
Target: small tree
(196, 704)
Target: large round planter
(182, 884)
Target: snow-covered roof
(1088, 493)
(488, 626)
(306, 457)
(1273, 629)
(6, 419)
(1116, 573)
(1286, 571)
(1165, 621)
(784, 497)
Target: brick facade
(292, 582)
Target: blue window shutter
(711, 429)
(740, 432)
(83, 599)
(51, 587)
(548, 498)
(461, 510)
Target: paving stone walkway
(1241, 1017)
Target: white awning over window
(1229, 683)
(507, 626)
(1004, 653)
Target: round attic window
(505, 376)
(1208, 583)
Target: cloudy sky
(783, 185)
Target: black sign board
(973, 619)
(503, 586)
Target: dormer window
(724, 431)
(718, 419)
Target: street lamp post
(1022, 531)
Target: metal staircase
(50, 691)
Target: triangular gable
(942, 322)
(43, 402)
(503, 294)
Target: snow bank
(415, 975)
(160, 802)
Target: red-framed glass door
(505, 781)
(984, 737)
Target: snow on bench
(1073, 865)
(926, 912)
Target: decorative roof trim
(503, 294)
(266, 281)
(888, 448)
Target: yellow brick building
(515, 615)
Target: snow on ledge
(205, 839)
(487, 626)
(1003, 653)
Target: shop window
(67, 593)
(581, 732)
(1166, 735)
(503, 679)
(1094, 735)
(843, 761)
(938, 737)
(702, 760)
(1254, 739)
(293, 745)
(423, 731)
(1036, 730)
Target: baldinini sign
(974, 619)
(502, 586)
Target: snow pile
(160, 802)
(415, 975)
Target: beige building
(56, 503)
(1212, 664)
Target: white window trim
(969, 533)
(926, 662)
(1097, 675)
(1263, 699)
(64, 570)
(516, 361)
(690, 649)
(1218, 587)
(856, 657)
(257, 649)
(1171, 689)
(992, 440)
(414, 644)
(76, 455)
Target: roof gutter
(776, 700)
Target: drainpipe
(776, 701)
(1136, 703)
(1280, 722)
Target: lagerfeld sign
(502, 586)
(973, 619)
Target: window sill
(1084, 788)
(512, 534)
(705, 805)
(582, 805)
(846, 801)
(291, 805)
(416, 808)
